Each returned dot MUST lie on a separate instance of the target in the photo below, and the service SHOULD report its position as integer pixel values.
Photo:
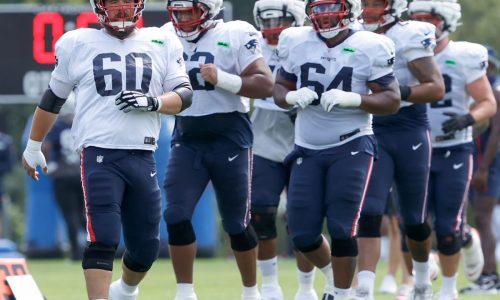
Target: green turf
(215, 279)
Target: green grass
(215, 279)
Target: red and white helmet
(330, 17)
(190, 29)
(273, 16)
(118, 17)
(390, 12)
(448, 10)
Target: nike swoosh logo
(152, 174)
(415, 147)
(354, 152)
(457, 166)
(230, 159)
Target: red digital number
(56, 22)
(41, 53)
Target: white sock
(328, 272)
(250, 291)
(128, 289)
(448, 284)
(306, 280)
(422, 276)
(341, 293)
(185, 288)
(269, 270)
(366, 279)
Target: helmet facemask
(119, 18)
(329, 17)
(189, 18)
(272, 23)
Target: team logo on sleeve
(57, 61)
(427, 42)
(391, 61)
(252, 45)
(483, 65)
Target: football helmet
(448, 10)
(330, 17)
(374, 17)
(273, 16)
(192, 17)
(120, 18)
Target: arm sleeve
(420, 41)
(249, 49)
(176, 67)
(475, 62)
(383, 60)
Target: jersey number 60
(116, 76)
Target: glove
(301, 97)
(334, 97)
(457, 122)
(132, 100)
(33, 157)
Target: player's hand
(209, 73)
(335, 97)
(32, 158)
(133, 100)
(480, 180)
(456, 122)
(301, 97)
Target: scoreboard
(28, 35)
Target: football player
(486, 184)
(404, 144)
(123, 78)
(463, 66)
(328, 70)
(212, 139)
(273, 140)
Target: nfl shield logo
(99, 159)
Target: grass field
(215, 279)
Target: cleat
(271, 292)
(473, 257)
(485, 284)
(116, 292)
(421, 293)
(388, 285)
(403, 292)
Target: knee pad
(345, 248)
(181, 234)
(244, 241)
(264, 224)
(449, 244)
(307, 243)
(135, 266)
(369, 226)
(418, 232)
(98, 256)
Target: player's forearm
(42, 122)
(257, 86)
(382, 103)
(279, 95)
(177, 100)
(426, 92)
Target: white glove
(34, 157)
(334, 97)
(133, 100)
(301, 97)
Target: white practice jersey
(273, 129)
(232, 47)
(98, 66)
(413, 40)
(364, 56)
(460, 63)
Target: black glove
(457, 122)
(132, 100)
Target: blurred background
(29, 30)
